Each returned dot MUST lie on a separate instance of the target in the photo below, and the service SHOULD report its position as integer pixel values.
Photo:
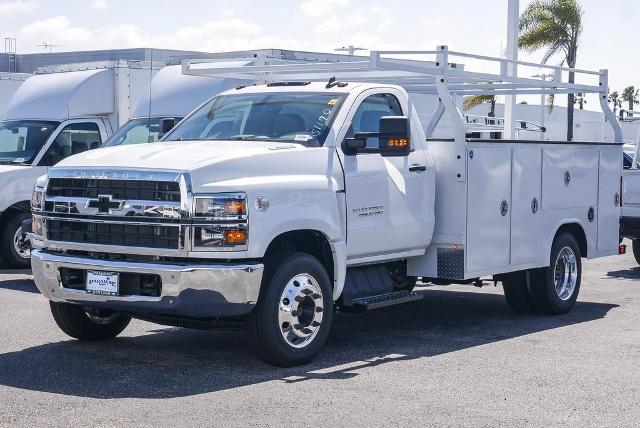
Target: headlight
(221, 206)
(36, 199)
(220, 222)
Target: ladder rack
(423, 72)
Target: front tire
(10, 237)
(635, 245)
(293, 316)
(88, 324)
(555, 289)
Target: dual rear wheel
(552, 290)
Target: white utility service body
(58, 112)
(630, 220)
(346, 217)
(9, 84)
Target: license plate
(103, 283)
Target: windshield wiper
(244, 137)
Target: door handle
(417, 168)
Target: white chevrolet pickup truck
(273, 205)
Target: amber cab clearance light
(398, 142)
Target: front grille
(131, 235)
(118, 189)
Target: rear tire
(97, 324)
(635, 245)
(516, 291)
(12, 255)
(555, 289)
(293, 316)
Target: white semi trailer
(274, 204)
(58, 112)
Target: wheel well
(307, 241)
(577, 232)
(17, 207)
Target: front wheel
(635, 244)
(293, 316)
(88, 324)
(10, 242)
(555, 289)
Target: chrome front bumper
(194, 291)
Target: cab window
(73, 139)
(367, 117)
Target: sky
(474, 26)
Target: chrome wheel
(23, 253)
(300, 310)
(565, 274)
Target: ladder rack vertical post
(513, 29)
(604, 103)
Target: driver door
(386, 196)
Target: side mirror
(394, 136)
(166, 125)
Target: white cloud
(318, 8)
(98, 5)
(56, 30)
(17, 7)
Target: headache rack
(426, 72)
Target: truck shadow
(171, 362)
(26, 285)
(631, 273)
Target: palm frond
(475, 100)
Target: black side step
(380, 301)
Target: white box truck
(9, 84)
(170, 97)
(60, 111)
(274, 204)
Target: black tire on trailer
(516, 291)
(293, 315)
(88, 324)
(635, 245)
(555, 289)
(12, 255)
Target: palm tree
(630, 95)
(554, 25)
(614, 98)
(476, 100)
(580, 100)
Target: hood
(174, 155)
(17, 183)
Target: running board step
(380, 301)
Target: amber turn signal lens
(235, 236)
(398, 142)
(235, 207)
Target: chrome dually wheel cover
(300, 310)
(565, 273)
(24, 253)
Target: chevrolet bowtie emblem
(104, 204)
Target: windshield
(297, 117)
(137, 131)
(20, 140)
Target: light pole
(513, 29)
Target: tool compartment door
(608, 214)
(489, 208)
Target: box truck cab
(273, 205)
(171, 96)
(59, 112)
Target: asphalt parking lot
(458, 357)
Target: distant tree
(580, 100)
(554, 25)
(630, 95)
(476, 100)
(614, 98)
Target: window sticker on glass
(333, 101)
(303, 137)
